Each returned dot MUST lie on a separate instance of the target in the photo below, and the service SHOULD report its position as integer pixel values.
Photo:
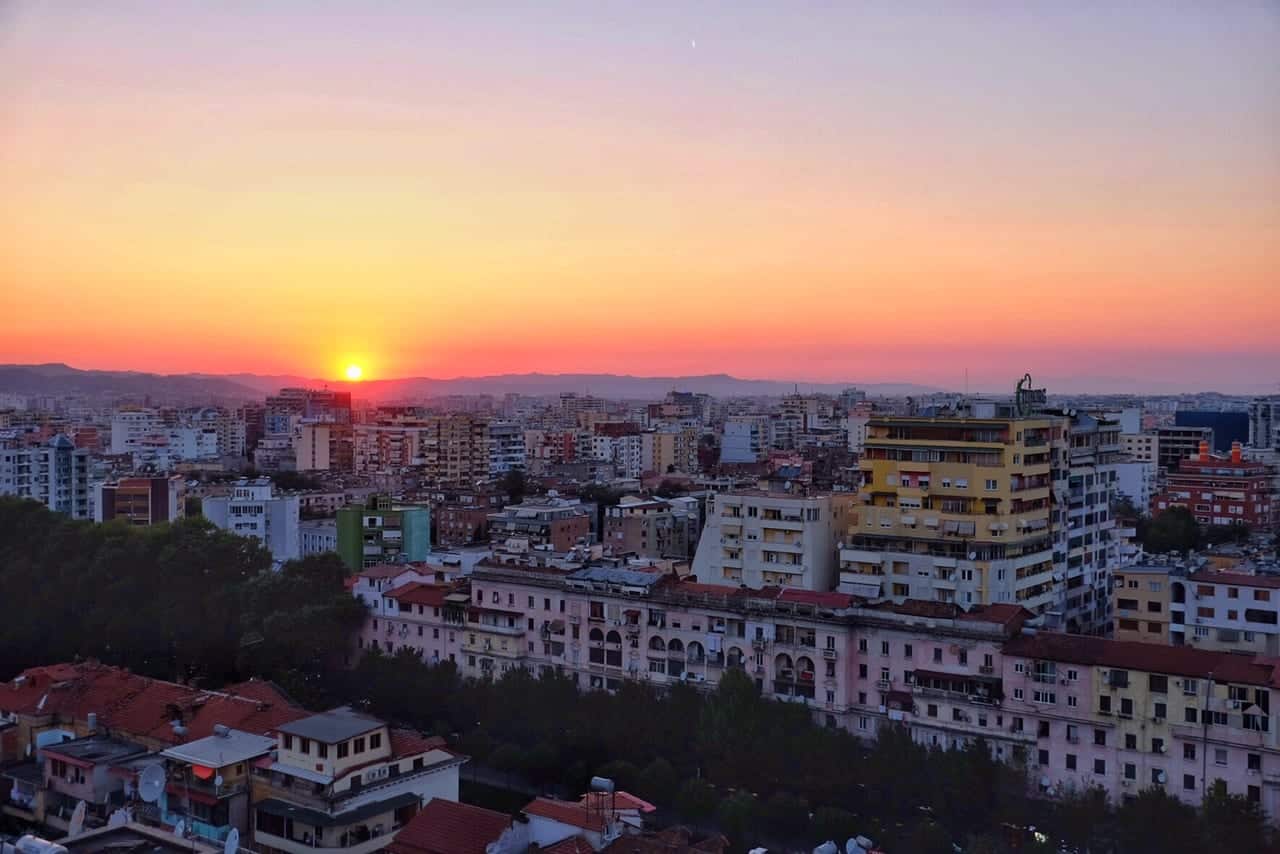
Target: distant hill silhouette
(60, 379)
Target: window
(1072, 701)
(1100, 737)
(1189, 782)
(1157, 777)
(932, 710)
(357, 746)
(884, 647)
(1158, 684)
(862, 644)
(1046, 697)
(1157, 745)
(1130, 771)
(304, 745)
(1071, 762)
(343, 749)
(288, 742)
(1104, 705)
(1262, 595)
(937, 655)
(1130, 741)
(1161, 711)
(906, 650)
(1017, 693)
(991, 485)
(1043, 757)
(322, 750)
(1219, 756)
(1100, 766)
(375, 741)
(1126, 707)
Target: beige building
(1140, 603)
(447, 448)
(669, 450)
(766, 539)
(1144, 447)
(954, 508)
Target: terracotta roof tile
(418, 593)
(449, 827)
(1146, 657)
(566, 812)
(619, 801)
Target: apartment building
(55, 474)
(759, 538)
(293, 404)
(955, 508)
(745, 439)
(346, 781)
(1264, 423)
(652, 527)
(1222, 490)
(1136, 481)
(1141, 603)
(1085, 452)
(317, 536)
(252, 510)
(141, 500)
(1225, 611)
(130, 426)
(210, 780)
(506, 447)
(382, 530)
(1177, 444)
(558, 523)
(445, 448)
(669, 449)
(324, 446)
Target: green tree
(696, 799)
(1156, 821)
(835, 825)
(658, 781)
(736, 816)
(515, 484)
(1232, 822)
(1174, 530)
(786, 814)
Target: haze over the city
(786, 192)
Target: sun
(354, 373)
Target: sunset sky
(808, 192)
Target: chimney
(1204, 451)
(1235, 452)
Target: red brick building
(1221, 490)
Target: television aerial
(151, 783)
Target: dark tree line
(763, 770)
(175, 601)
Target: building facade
(955, 509)
(382, 531)
(55, 474)
(141, 500)
(1222, 491)
(551, 521)
(760, 539)
(252, 510)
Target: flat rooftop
(218, 751)
(332, 726)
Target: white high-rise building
(251, 510)
(745, 439)
(130, 427)
(56, 475)
(506, 447)
(1264, 423)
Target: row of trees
(759, 769)
(173, 601)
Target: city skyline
(815, 196)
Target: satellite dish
(151, 783)
(217, 781)
(973, 555)
(77, 820)
(233, 842)
(1162, 777)
(827, 847)
(119, 818)
(180, 828)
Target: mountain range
(60, 379)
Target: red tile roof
(1240, 579)
(385, 570)
(142, 707)
(449, 827)
(418, 593)
(1007, 615)
(618, 801)
(834, 601)
(571, 845)
(566, 812)
(1146, 657)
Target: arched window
(735, 657)
(694, 652)
(804, 664)
(656, 644)
(613, 637)
(782, 663)
(675, 646)
(596, 636)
